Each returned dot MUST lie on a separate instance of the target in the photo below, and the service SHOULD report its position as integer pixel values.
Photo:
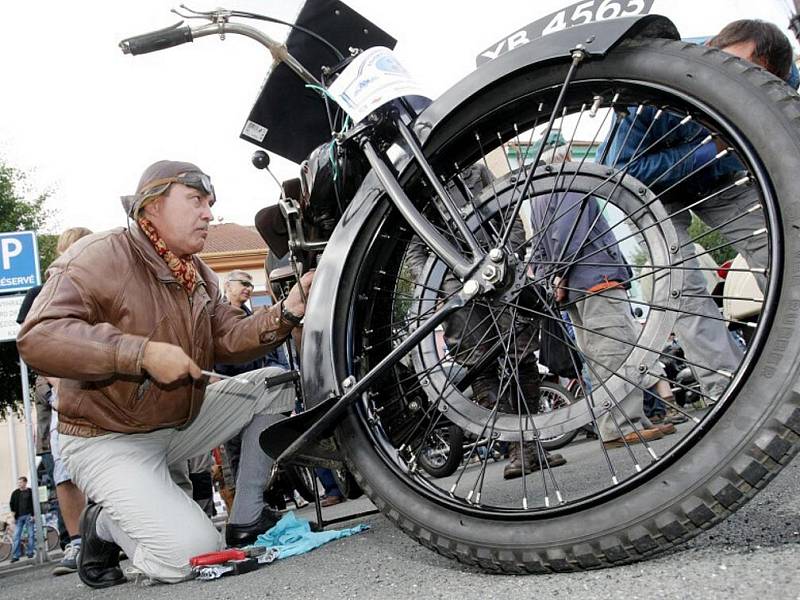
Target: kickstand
(318, 510)
(321, 523)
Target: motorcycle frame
(326, 397)
(326, 394)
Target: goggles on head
(195, 180)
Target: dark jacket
(104, 299)
(552, 222)
(21, 502)
(661, 166)
(668, 142)
(232, 369)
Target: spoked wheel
(600, 503)
(347, 484)
(303, 480)
(555, 397)
(442, 451)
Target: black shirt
(21, 502)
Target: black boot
(246, 534)
(98, 561)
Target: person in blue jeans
(21, 504)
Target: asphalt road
(754, 554)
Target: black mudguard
(321, 384)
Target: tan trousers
(149, 515)
(596, 318)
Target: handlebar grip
(288, 377)
(175, 35)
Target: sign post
(19, 271)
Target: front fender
(596, 39)
(320, 344)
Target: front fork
(491, 265)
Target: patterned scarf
(183, 270)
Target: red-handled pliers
(223, 556)
(217, 558)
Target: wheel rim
(373, 412)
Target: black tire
(563, 397)
(347, 484)
(449, 441)
(303, 480)
(715, 469)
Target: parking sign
(19, 261)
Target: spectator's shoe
(13, 560)
(666, 428)
(527, 451)
(675, 417)
(331, 500)
(98, 560)
(644, 435)
(69, 563)
(246, 534)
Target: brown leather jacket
(105, 298)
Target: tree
(713, 241)
(17, 213)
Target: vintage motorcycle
(391, 179)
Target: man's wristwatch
(288, 316)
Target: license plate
(579, 13)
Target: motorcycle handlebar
(162, 39)
(176, 35)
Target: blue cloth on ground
(291, 536)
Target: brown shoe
(527, 451)
(666, 428)
(331, 500)
(647, 435)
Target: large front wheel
(632, 492)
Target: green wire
(331, 154)
(321, 90)
(332, 158)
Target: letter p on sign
(9, 248)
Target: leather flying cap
(157, 172)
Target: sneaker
(675, 417)
(69, 563)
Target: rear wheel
(347, 484)
(52, 538)
(303, 480)
(556, 397)
(608, 504)
(442, 451)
